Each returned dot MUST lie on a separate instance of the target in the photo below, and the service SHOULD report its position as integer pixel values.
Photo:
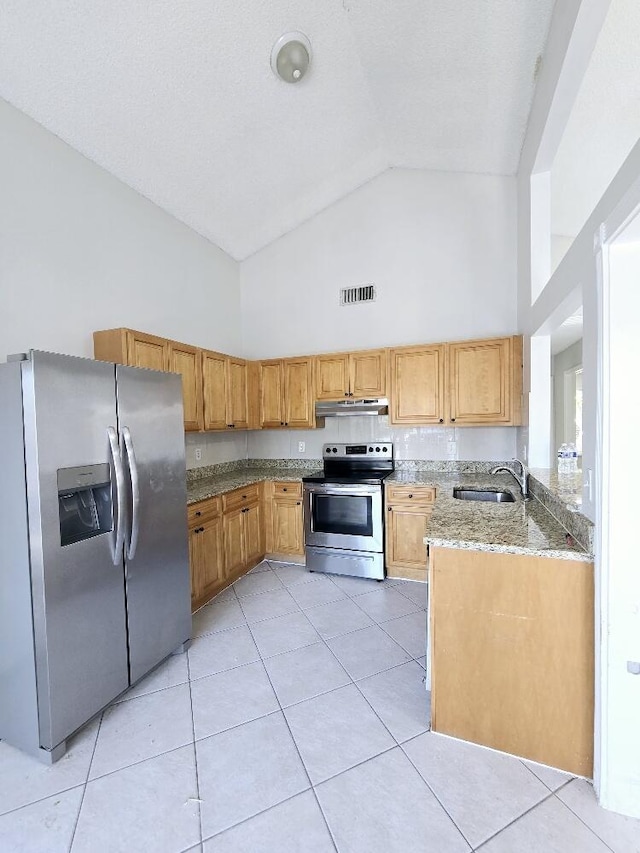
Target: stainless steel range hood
(351, 408)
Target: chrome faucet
(522, 477)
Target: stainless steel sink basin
(483, 495)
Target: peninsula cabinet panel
(214, 370)
(512, 654)
(368, 373)
(485, 382)
(299, 408)
(417, 385)
(332, 376)
(186, 361)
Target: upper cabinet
(417, 385)
(286, 393)
(485, 382)
(356, 374)
(225, 391)
(137, 349)
(186, 361)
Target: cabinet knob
(298, 503)
(199, 512)
(410, 496)
(441, 420)
(281, 423)
(286, 423)
(346, 393)
(389, 508)
(284, 489)
(244, 497)
(452, 420)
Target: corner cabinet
(485, 382)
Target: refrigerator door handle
(118, 540)
(135, 494)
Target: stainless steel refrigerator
(94, 571)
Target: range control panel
(377, 450)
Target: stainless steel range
(343, 517)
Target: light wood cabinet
(285, 533)
(417, 385)
(485, 382)
(243, 530)
(513, 635)
(205, 551)
(225, 391)
(286, 393)
(126, 346)
(186, 361)
(357, 374)
(408, 509)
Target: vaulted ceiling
(178, 100)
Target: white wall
(437, 443)
(81, 251)
(569, 358)
(440, 247)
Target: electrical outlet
(198, 454)
(301, 446)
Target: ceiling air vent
(354, 295)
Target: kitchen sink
(483, 495)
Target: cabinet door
(417, 385)
(332, 377)
(286, 520)
(298, 393)
(214, 369)
(405, 529)
(271, 394)
(368, 373)
(147, 351)
(237, 393)
(196, 558)
(186, 361)
(253, 535)
(233, 529)
(480, 381)
(207, 560)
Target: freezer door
(78, 592)
(151, 424)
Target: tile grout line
(555, 794)
(195, 751)
(515, 820)
(86, 782)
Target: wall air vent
(354, 295)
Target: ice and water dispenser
(84, 502)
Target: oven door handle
(354, 490)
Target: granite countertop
(522, 527)
(209, 487)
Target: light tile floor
(297, 723)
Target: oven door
(343, 516)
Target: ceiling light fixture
(291, 57)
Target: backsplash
(415, 443)
(216, 447)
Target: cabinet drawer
(203, 511)
(290, 490)
(241, 497)
(410, 494)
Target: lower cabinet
(408, 509)
(243, 530)
(285, 532)
(205, 551)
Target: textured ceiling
(178, 99)
(604, 124)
